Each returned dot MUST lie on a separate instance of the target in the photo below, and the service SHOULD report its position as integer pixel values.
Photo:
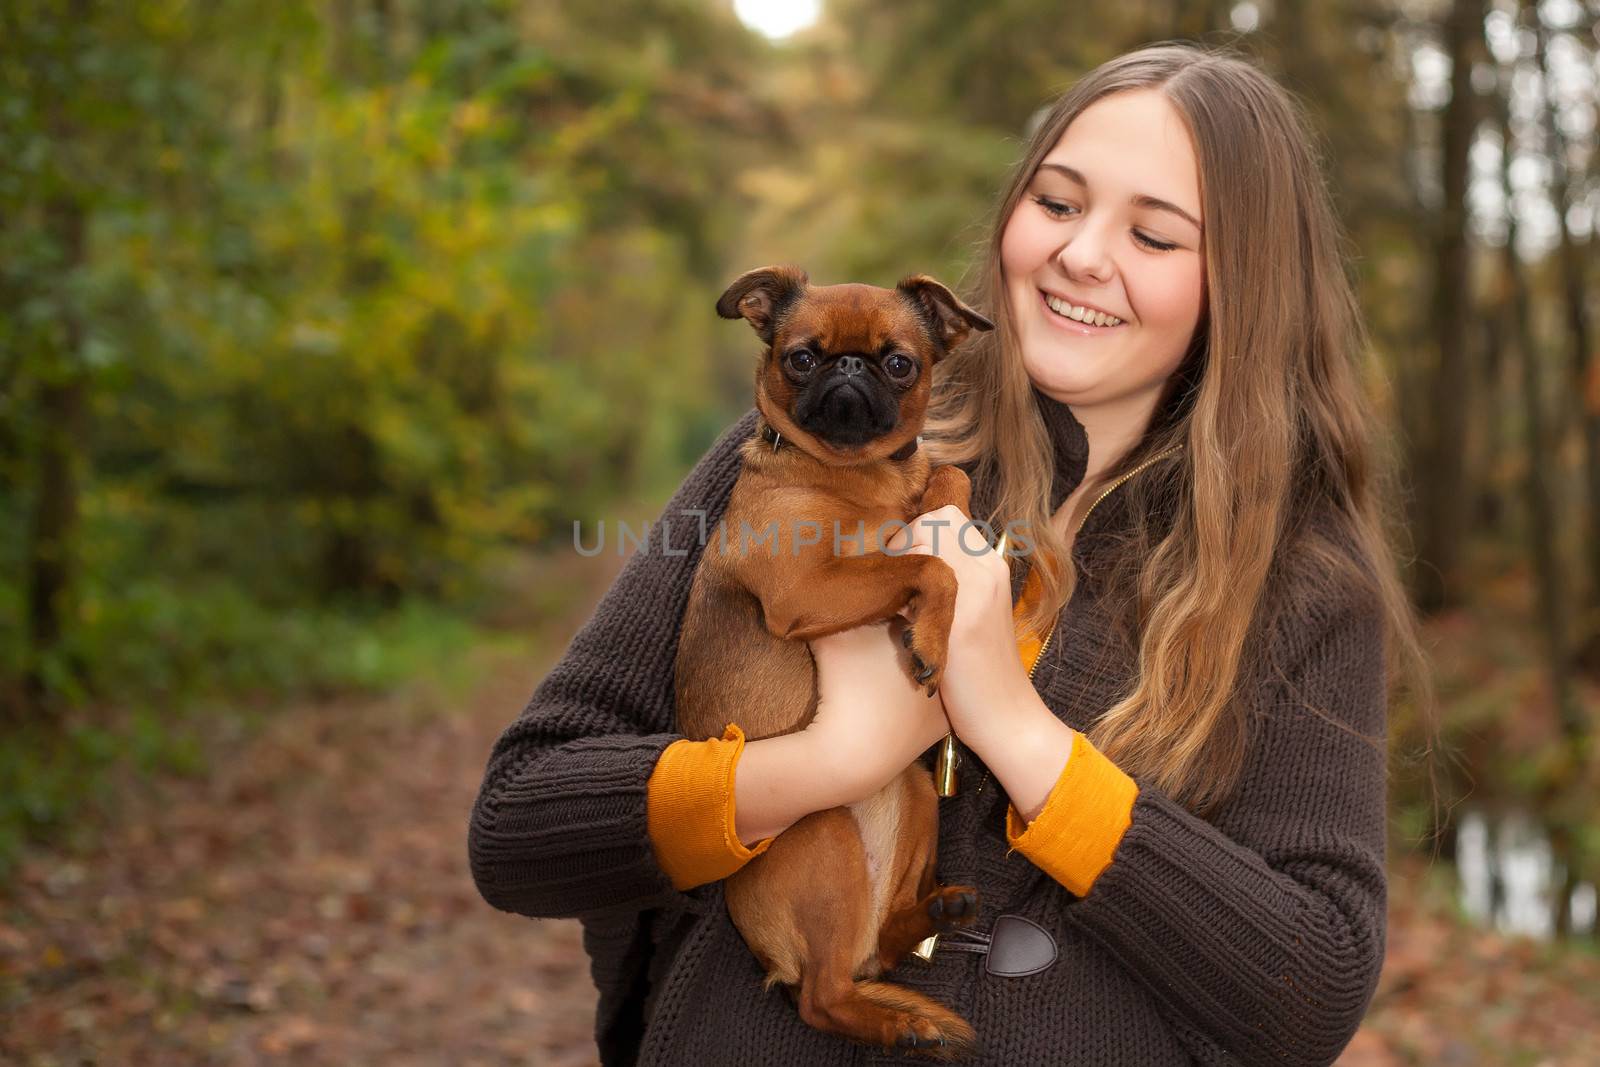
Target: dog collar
(905, 451)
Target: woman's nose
(1083, 255)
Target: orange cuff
(1076, 833)
(689, 810)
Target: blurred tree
(1566, 193)
(328, 299)
(1515, 302)
(1439, 472)
(47, 338)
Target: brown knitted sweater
(1254, 937)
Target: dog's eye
(802, 360)
(898, 366)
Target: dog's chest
(878, 818)
(863, 525)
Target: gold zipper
(1108, 489)
(1042, 647)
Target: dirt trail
(308, 902)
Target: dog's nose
(851, 365)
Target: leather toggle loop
(1019, 947)
(1015, 948)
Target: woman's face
(1110, 221)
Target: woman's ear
(945, 314)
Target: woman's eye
(1151, 242)
(898, 366)
(1053, 208)
(801, 360)
(1057, 210)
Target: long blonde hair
(1267, 404)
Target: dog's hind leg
(808, 893)
(916, 908)
(841, 944)
(882, 1014)
(805, 908)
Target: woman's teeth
(1078, 314)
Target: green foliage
(364, 293)
(354, 296)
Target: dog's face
(847, 367)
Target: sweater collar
(1069, 445)
(1069, 442)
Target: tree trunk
(1582, 359)
(1514, 300)
(1440, 478)
(61, 408)
(1411, 376)
(1497, 437)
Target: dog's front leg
(825, 594)
(947, 485)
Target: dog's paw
(929, 650)
(910, 1039)
(925, 674)
(918, 1037)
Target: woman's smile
(1077, 318)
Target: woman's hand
(984, 689)
(872, 720)
(990, 701)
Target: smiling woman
(1168, 711)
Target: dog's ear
(949, 318)
(761, 295)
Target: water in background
(1511, 879)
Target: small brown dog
(843, 387)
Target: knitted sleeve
(559, 827)
(690, 810)
(1082, 822)
(1262, 936)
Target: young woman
(1170, 710)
